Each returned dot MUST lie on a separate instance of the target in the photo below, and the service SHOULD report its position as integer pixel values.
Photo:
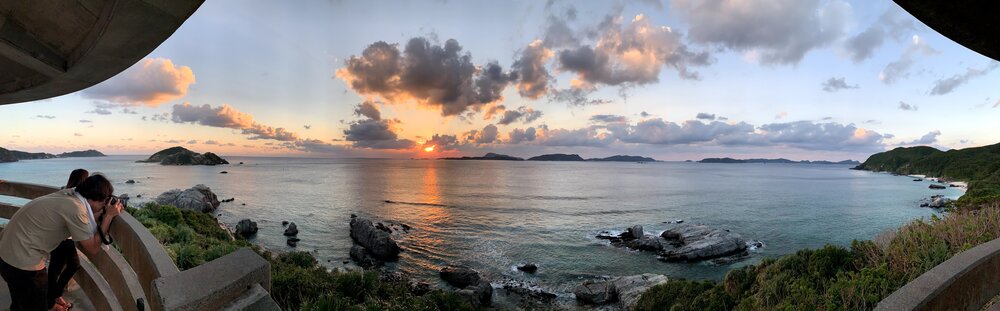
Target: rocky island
(489, 156)
(557, 157)
(183, 156)
(91, 153)
(779, 160)
(14, 155)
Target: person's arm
(93, 245)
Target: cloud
(126, 110)
(518, 136)
(781, 115)
(927, 139)
(997, 104)
(77, 134)
(907, 107)
(530, 68)
(837, 84)
(192, 142)
(608, 118)
(705, 116)
(442, 142)
(159, 117)
(576, 97)
(900, 68)
(779, 31)
(100, 111)
(894, 23)
(374, 132)
(487, 135)
(222, 116)
(945, 86)
(45, 117)
(173, 141)
(86, 121)
(440, 76)
(307, 126)
(526, 114)
(152, 82)
(211, 142)
(368, 109)
(644, 114)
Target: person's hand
(113, 210)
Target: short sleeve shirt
(38, 228)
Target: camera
(114, 200)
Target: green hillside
(980, 166)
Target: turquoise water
(493, 215)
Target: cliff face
(183, 156)
(7, 156)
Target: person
(41, 225)
(64, 260)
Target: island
(978, 166)
(7, 155)
(488, 156)
(779, 160)
(623, 158)
(182, 156)
(91, 153)
(557, 157)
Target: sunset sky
(671, 79)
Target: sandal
(64, 303)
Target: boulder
(130, 181)
(246, 228)
(529, 268)
(376, 241)
(224, 172)
(292, 230)
(700, 242)
(936, 186)
(363, 258)
(480, 294)
(198, 198)
(635, 232)
(284, 223)
(460, 276)
(596, 292)
(646, 243)
(630, 288)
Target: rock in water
(596, 292)
(246, 228)
(936, 186)
(199, 198)
(292, 230)
(630, 288)
(700, 242)
(529, 268)
(377, 242)
(635, 232)
(182, 156)
(130, 181)
(363, 258)
(460, 276)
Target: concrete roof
(971, 23)
(50, 48)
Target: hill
(557, 157)
(623, 158)
(182, 156)
(779, 160)
(489, 156)
(979, 166)
(82, 154)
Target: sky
(670, 79)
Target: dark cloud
(894, 23)
(576, 97)
(222, 116)
(518, 136)
(307, 126)
(368, 109)
(837, 84)
(439, 76)
(374, 133)
(945, 86)
(779, 32)
(644, 114)
(608, 118)
(907, 107)
(530, 69)
(705, 116)
(192, 142)
(442, 142)
(152, 81)
(487, 135)
(523, 113)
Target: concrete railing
(143, 277)
(967, 281)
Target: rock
(292, 230)
(377, 242)
(138, 196)
(198, 198)
(363, 258)
(936, 186)
(938, 202)
(130, 181)
(241, 163)
(284, 223)
(646, 243)
(246, 228)
(918, 179)
(224, 172)
(596, 292)
(529, 268)
(700, 242)
(635, 232)
(292, 243)
(630, 288)
(294, 239)
(460, 276)
(419, 288)
(531, 292)
(182, 156)
(228, 200)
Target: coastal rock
(246, 228)
(378, 242)
(130, 181)
(292, 242)
(363, 258)
(284, 223)
(630, 288)
(635, 232)
(198, 198)
(596, 292)
(529, 292)
(936, 186)
(292, 230)
(700, 242)
(460, 276)
(529, 268)
(224, 172)
(646, 243)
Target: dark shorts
(27, 288)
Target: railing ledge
(219, 282)
(966, 281)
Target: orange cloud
(150, 82)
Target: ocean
(493, 215)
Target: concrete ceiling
(50, 48)
(975, 24)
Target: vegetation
(298, 282)
(832, 277)
(979, 166)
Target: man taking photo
(37, 228)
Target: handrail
(117, 281)
(966, 281)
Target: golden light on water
(429, 149)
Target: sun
(429, 149)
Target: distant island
(182, 156)
(14, 155)
(978, 166)
(556, 157)
(779, 160)
(82, 154)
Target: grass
(298, 282)
(832, 277)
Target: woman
(65, 261)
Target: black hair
(76, 177)
(96, 188)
